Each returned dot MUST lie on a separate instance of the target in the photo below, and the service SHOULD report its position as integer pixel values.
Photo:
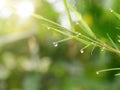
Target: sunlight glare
(4, 10)
(2, 4)
(5, 13)
(24, 9)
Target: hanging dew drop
(92, 43)
(78, 33)
(77, 23)
(55, 44)
(119, 41)
(72, 37)
(48, 28)
(103, 48)
(111, 10)
(81, 51)
(97, 73)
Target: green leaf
(73, 37)
(106, 70)
(68, 13)
(115, 13)
(115, 46)
(82, 23)
(118, 74)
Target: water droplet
(97, 73)
(78, 33)
(49, 28)
(92, 43)
(77, 23)
(119, 40)
(81, 51)
(72, 37)
(103, 48)
(55, 44)
(111, 10)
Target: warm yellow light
(24, 9)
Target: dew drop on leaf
(77, 23)
(81, 51)
(78, 33)
(111, 10)
(97, 73)
(55, 44)
(103, 48)
(92, 43)
(48, 28)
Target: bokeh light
(5, 13)
(2, 3)
(4, 10)
(24, 9)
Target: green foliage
(38, 53)
(90, 37)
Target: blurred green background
(29, 60)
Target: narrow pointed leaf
(82, 23)
(115, 13)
